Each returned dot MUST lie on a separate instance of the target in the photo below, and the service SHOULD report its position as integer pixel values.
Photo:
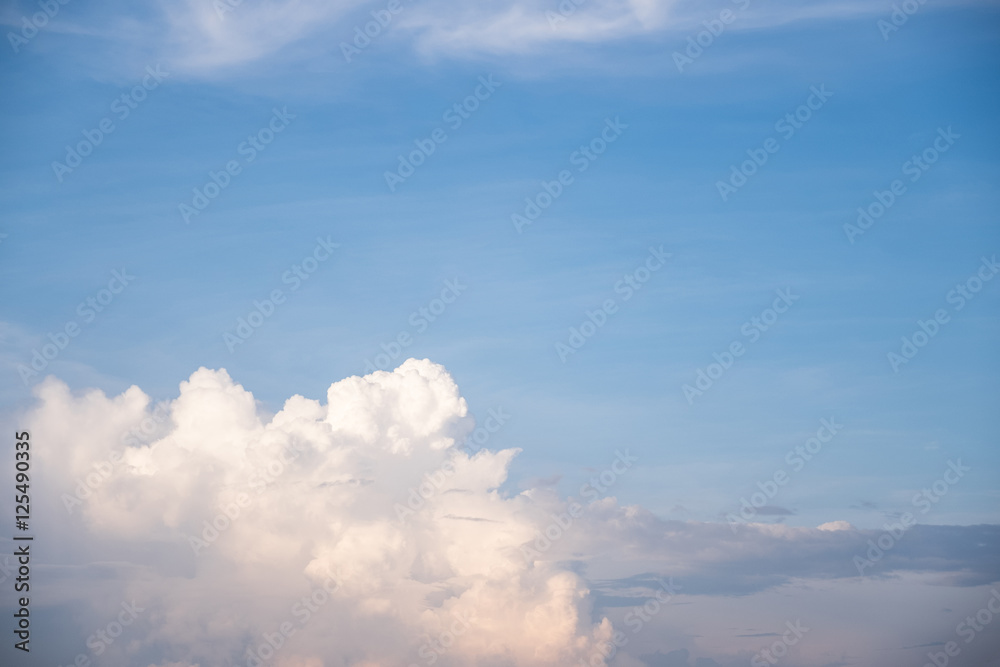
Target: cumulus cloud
(358, 531)
(260, 512)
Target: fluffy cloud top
(315, 501)
(359, 532)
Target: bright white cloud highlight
(237, 531)
(262, 509)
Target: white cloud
(193, 37)
(835, 525)
(226, 523)
(202, 38)
(522, 26)
(310, 494)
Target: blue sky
(656, 185)
(324, 176)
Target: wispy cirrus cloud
(210, 38)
